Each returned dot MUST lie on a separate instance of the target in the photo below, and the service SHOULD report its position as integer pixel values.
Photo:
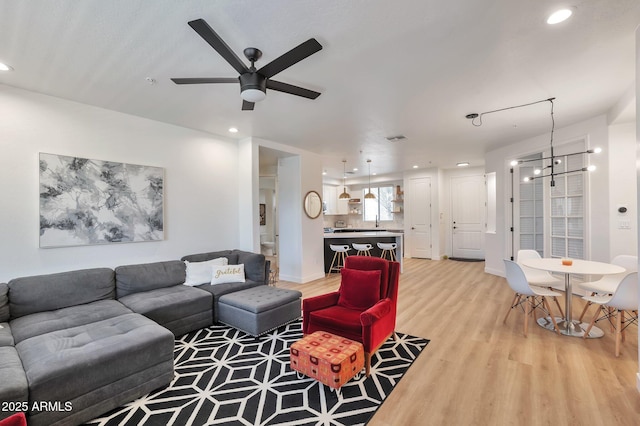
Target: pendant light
(344, 194)
(369, 195)
(554, 160)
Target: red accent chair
(17, 419)
(364, 307)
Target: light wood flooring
(478, 371)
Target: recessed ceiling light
(5, 67)
(415, 166)
(233, 130)
(462, 164)
(324, 173)
(559, 16)
(355, 169)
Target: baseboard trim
(493, 271)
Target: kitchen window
(380, 208)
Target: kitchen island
(371, 237)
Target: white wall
(498, 245)
(201, 173)
(623, 189)
(637, 156)
(290, 216)
(301, 243)
(248, 175)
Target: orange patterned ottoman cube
(330, 359)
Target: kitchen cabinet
(331, 197)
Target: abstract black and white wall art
(85, 201)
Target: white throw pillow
(200, 272)
(227, 274)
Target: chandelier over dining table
(552, 161)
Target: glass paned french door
(551, 219)
(568, 209)
(531, 229)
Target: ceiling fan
(254, 83)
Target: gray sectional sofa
(77, 344)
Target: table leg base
(572, 328)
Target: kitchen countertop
(367, 234)
(339, 230)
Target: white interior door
(467, 216)
(420, 226)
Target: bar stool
(363, 249)
(340, 253)
(388, 249)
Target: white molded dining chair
(623, 301)
(609, 283)
(538, 276)
(527, 295)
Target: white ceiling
(410, 67)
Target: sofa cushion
(179, 308)
(6, 337)
(45, 322)
(13, 388)
(201, 257)
(200, 272)
(4, 302)
(218, 290)
(61, 290)
(148, 276)
(222, 289)
(254, 265)
(65, 364)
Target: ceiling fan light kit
(252, 87)
(254, 83)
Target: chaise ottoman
(332, 360)
(259, 309)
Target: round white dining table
(567, 325)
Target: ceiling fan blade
(203, 80)
(291, 89)
(206, 32)
(247, 106)
(292, 57)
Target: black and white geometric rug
(226, 377)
